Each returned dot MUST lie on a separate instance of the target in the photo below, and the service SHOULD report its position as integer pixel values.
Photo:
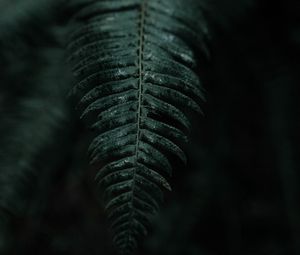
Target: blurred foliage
(240, 192)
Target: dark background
(239, 194)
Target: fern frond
(135, 64)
